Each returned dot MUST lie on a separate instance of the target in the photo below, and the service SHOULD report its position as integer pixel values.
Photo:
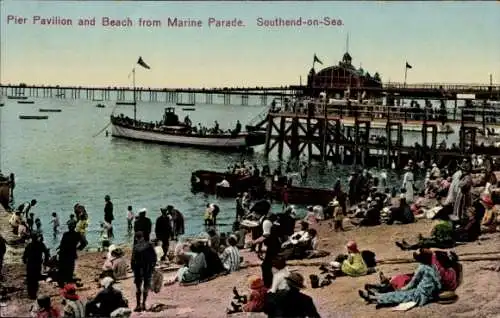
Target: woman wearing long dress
(423, 288)
(408, 184)
(463, 199)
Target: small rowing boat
(125, 103)
(17, 97)
(50, 110)
(100, 106)
(189, 109)
(32, 117)
(25, 101)
(185, 104)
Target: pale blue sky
(454, 42)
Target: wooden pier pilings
(208, 96)
(346, 136)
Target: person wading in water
(143, 263)
(108, 210)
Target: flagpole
(135, 97)
(406, 72)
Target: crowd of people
(460, 216)
(59, 267)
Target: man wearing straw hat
(291, 302)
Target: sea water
(61, 161)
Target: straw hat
(295, 280)
(143, 210)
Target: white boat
(170, 131)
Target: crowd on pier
(460, 215)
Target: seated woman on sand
(401, 214)
(423, 288)
(299, 236)
(489, 223)
(106, 301)
(446, 263)
(352, 265)
(470, 229)
(195, 266)
(441, 235)
(115, 265)
(301, 245)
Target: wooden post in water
(269, 131)
(281, 136)
(309, 130)
(295, 138)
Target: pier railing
(479, 115)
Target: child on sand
(55, 223)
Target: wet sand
(479, 294)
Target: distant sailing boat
(172, 131)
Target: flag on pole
(317, 60)
(142, 63)
(408, 65)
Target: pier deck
(241, 94)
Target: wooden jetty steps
(33, 117)
(49, 110)
(25, 102)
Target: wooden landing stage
(325, 133)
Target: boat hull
(206, 181)
(241, 141)
(33, 117)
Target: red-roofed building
(338, 78)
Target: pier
(241, 95)
(343, 134)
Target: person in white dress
(408, 184)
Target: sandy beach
(479, 294)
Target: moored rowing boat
(50, 110)
(32, 117)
